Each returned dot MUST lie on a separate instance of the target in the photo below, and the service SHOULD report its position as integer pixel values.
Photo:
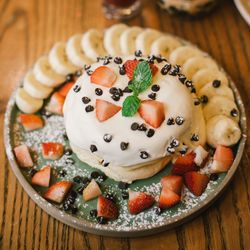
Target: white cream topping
(83, 128)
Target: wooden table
(27, 30)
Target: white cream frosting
(83, 128)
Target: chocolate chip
(135, 126)
(78, 179)
(65, 137)
(85, 180)
(152, 96)
(234, 112)
(196, 102)
(115, 97)
(85, 100)
(179, 120)
(214, 177)
(158, 211)
(93, 213)
(105, 164)
(94, 175)
(110, 197)
(204, 99)
(170, 121)
(77, 88)
(216, 83)
(98, 91)
(101, 220)
(125, 195)
(68, 152)
(93, 148)
(150, 132)
(182, 78)
(127, 90)
(89, 72)
(89, 108)
(142, 127)
(193, 90)
(144, 154)
(138, 53)
(62, 173)
(119, 92)
(183, 151)
(102, 177)
(87, 67)
(155, 88)
(78, 73)
(166, 68)
(46, 113)
(194, 137)
(74, 209)
(106, 61)
(174, 143)
(123, 185)
(118, 60)
(170, 150)
(189, 83)
(124, 145)
(122, 70)
(113, 90)
(107, 138)
(70, 78)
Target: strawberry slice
(201, 156)
(23, 156)
(172, 182)
(168, 198)
(105, 110)
(58, 191)
(56, 104)
(52, 150)
(91, 191)
(222, 160)
(130, 66)
(196, 182)
(30, 122)
(103, 76)
(64, 90)
(152, 112)
(139, 201)
(184, 164)
(42, 177)
(106, 208)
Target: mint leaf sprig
(142, 79)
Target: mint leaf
(130, 105)
(142, 78)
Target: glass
(121, 9)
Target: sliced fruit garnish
(196, 182)
(42, 177)
(52, 150)
(91, 191)
(172, 182)
(23, 156)
(64, 90)
(106, 208)
(222, 160)
(105, 110)
(56, 104)
(139, 201)
(168, 198)
(103, 76)
(58, 191)
(184, 164)
(30, 122)
(201, 155)
(152, 112)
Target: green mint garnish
(142, 79)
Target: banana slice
(26, 103)
(92, 44)
(34, 88)
(182, 54)
(220, 105)
(164, 45)
(75, 53)
(204, 76)
(222, 130)
(209, 90)
(59, 60)
(127, 40)
(145, 39)
(111, 39)
(192, 65)
(44, 73)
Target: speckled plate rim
(111, 230)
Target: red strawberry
(196, 182)
(58, 191)
(130, 66)
(105, 110)
(64, 90)
(56, 104)
(23, 156)
(30, 122)
(222, 160)
(91, 191)
(168, 198)
(184, 164)
(52, 150)
(106, 208)
(139, 201)
(152, 112)
(172, 182)
(104, 76)
(42, 177)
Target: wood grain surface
(28, 29)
